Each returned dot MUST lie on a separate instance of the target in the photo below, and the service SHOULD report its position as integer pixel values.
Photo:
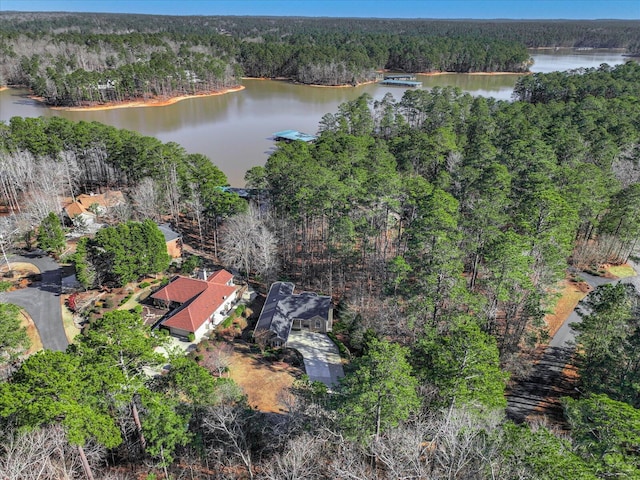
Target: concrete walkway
(321, 356)
(41, 300)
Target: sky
(480, 9)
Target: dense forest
(441, 223)
(83, 59)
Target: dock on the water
(292, 135)
(401, 83)
(399, 76)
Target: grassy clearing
(621, 271)
(264, 383)
(570, 294)
(138, 294)
(32, 332)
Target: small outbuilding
(173, 240)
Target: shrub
(227, 322)
(5, 286)
(191, 337)
(240, 309)
(107, 304)
(144, 285)
(190, 264)
(137, 309)
(72, 303)
(344, 351)
(126, 298)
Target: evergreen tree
(379, 391)
(51, 235)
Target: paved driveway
(321, 356)
(42, 301)
(542, 389)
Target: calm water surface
(234, 130)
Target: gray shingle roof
(168, 233)
(282, 306)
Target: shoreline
(579, 49)
(435, 74)
(347, 85)
(293, 82)
(152, 102)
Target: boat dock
(401, 83)
(292, 135)
(399, 76)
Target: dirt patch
(21, 275)
(262, 381)
(32, 332)
(20, 269)
(571, 293)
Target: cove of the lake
(234, 130)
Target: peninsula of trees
(86, 59)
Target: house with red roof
(86, 206)
(196, 306)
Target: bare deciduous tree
(219, 358)
(301, 460)
(249, 245)
(146, 200)
(44, 454)
(230, 427)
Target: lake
(234, 130)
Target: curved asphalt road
(546, 384)
(42, 301)
(565, 336)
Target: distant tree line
(530, 33)
(83, 59)
(577, 85)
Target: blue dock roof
(294, 135)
